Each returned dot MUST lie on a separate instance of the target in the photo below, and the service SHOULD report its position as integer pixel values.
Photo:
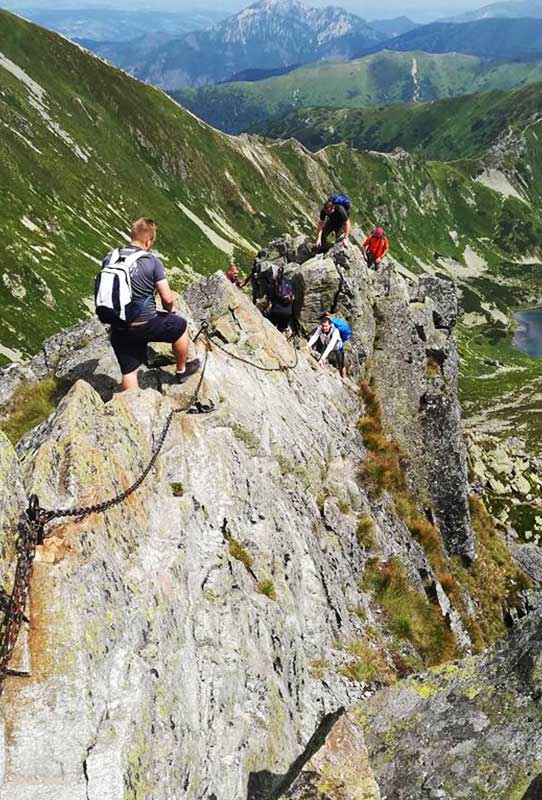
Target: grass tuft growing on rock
(385, 470)
(30, 405)
(366, 531)
(368, 665)
(410, 617)
(384, 467)
(266, 587)
(240, 553)
(494, 581)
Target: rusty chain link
(30, 534)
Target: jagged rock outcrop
(405, 331)
(467, 731)
(201, 640)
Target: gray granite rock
(471, 730)
(189, 644)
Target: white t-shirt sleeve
(315, 336)
(333, 344)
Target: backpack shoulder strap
(118, 260)
(133, 257)
(113, 258)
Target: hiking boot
(191, 368)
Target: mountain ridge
(510, 9)
(490, 37)
(283, 32)
(457, 128)
(387, 77)
(87, 148)
(273, 576)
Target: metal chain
(31, 525)
(100, 508)
(30, 534)
(281, 368)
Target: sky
(419, 10)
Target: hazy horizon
(369, 9)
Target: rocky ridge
(203, 639)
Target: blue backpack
(343, 327)
(342, 200)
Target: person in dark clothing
(253, 279)
(281, 297)
(147, 276)
(333, 219)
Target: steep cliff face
(202, 639)
(467, 731)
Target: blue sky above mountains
(422, 10)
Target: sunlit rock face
(192, 642)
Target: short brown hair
(142, 228)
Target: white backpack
(113, 290)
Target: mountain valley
(384, 78)
(269, 34)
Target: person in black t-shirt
(333, 219)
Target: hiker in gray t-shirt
(148, 276)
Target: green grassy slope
(459, 127)
(86, 148)
(382, 78)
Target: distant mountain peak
(269, 34)
(277, 6)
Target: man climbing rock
(334, 218)
(327, 339)
(375, 247)
(125, 299)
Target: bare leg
(129, 381)
(180, 351)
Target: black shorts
(130, 344)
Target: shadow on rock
(534, 792)
(265, 785)
(104, 384)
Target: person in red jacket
(233, 274)
(375, 248)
